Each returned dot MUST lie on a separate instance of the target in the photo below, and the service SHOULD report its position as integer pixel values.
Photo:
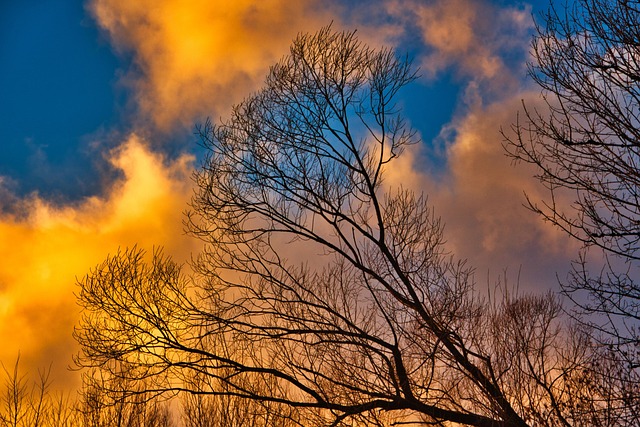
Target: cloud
(43, 250)
(196, 59)
(481, 196)
(468, 37)
(479, 193)
(484, 201)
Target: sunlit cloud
(196, 59)
(43, 251)
(481, 199)
(485, 200)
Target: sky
(98, 103)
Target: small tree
(112, 401)
(25, 403)
(201, 409)
(322, 291)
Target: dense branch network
(322, 289)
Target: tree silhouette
(322, 290)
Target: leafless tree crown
(324, 295)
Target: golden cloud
(196, 59)
(42, 253)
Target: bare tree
(31, 403)
(14, 397)
(24, 404)
(587, 149)
(201, 409)
(107, 401)
(62, 412)
(323, 291)
(27, 403)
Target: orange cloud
(43, 252)
(190, 60)
(196, 59)
(488, 188)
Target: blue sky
(61, 92)
(62, 95)
(98, 102)
(57, 86)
